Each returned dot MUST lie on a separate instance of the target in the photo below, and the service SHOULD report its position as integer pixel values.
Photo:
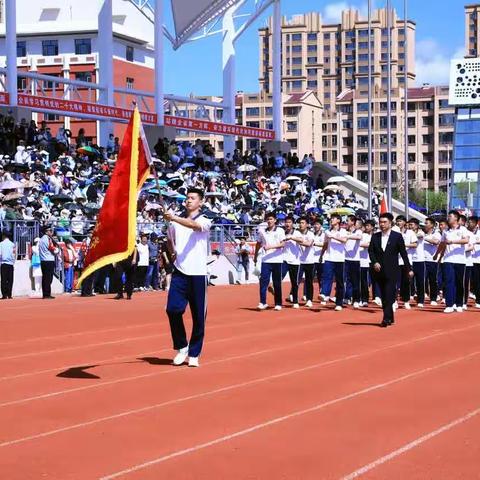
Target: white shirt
(364, 256)
(454, 253)
(408, 237)
(191, 247)
(385, 237)
(419, 252)
(476, 247)
(468, 255)
(307, 255)
(292, 250)
(336, 249)
(143, 255)
(318, 245)
(352, 248)
(429, 249)
(272, 237)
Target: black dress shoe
(129, 297)
(118, 297)
(48, 297)
(384, 324)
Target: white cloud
(432, 64)
(332, 13)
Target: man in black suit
(384, 249)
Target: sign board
(464, 82)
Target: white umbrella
(333, 188)
(214, 194)
(11, 185)
(336, 179)
(293, 178)
(246, 168)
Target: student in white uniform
(468, 262)
(352, 261)
(272, 241)
(475, 229)
(334, 267)
(291, 258)
(319, 235)
(365, 276)
(431, 241)
(418, 262)
(307, 259)
(452, 248)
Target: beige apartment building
(302, 119)
(430, 136)
(330, 58)
(472, 30)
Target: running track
(87, 392)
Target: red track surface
(280, 395)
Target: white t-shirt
(336, 249)
(364, 256)
(408, 237)
(307, 255)
(454, 253)
(468, 255)
(272, 237)
(191, 247)
(419, 252)
(476, 247)
(318, 245)
(352, 248)
(143, 255)
(291, 252)
(429, 249)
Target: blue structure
(465, 178)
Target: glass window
(362, 123)
(83, 76)
(130, 82)
(467, 152)
(253, 111)
(445, 137)
(472, 165)
(326, 36)
(313, 48)
(446, 119)
(296, 60)
(83, 46)
(21, 49)
(312, 60)
(296, 37)
(253, 124)
(268, 111)
(49, 48)
(296, 48)
(297, 72)
(129, 53)
(362, 107)
(312, 36)
(443, 103)
(291, 126)
(312, 84)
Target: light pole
(369, 108)
(405, 86)
(389, 106)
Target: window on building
(268, 111)
(130, 83)
(296, 37)
(446, 119)
(347, 124)
(411, 121)
(48, 84)
(83, 46)
(362, 176)
(427, 121)
(253, 111)
(362, 123)
(83, 76)
(412, 140)
(362, 158)
(311, 72)
(312, 84)
(412, 175)
(297, 85)
(21, 49)
(349, 58)
(311, 36)
(384, 105)
(427, 139)
(363, 57)
(326, 36)
(21, 83)
(51, 117)
(362, 107)
(253, 124)
(326, 60)
(296, 60)
(292, 126)
(297, 72)
(363, 33)
(443, 103)
(293, 142)
(129, 53)
(49, 48)
(313, 48)
(311, 59)
(297, 48)
(347, 142)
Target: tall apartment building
(472, 30)
(430, 136)
(329, 58)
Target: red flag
(114, 236)
(383, 204)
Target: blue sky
(196, 67)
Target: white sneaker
(262, 306)
(277, 308)
(304, 298)
(181, 356)
(333, 299)
(378, 301)
(356, 305)
(395, 306)
(459, 310)
(296, 305)
(309, 304)
(338, 308)
(448, 310)
(464, 307)
(434, 303)
(193, 362)
(477, 305)
(407, 306)
(364, 304)
(290, 298)
(323, 302)
(420, 305)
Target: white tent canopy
(190, 16)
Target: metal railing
(22, 233)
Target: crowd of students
(444, 257)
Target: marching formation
(401, 265)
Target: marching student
(469, 250)
(410, 240)
(418, 262)
(442, 227)
(243, 251)
(452, 249)
(365, 263)
(385, 249)
(430, 244)
(352, 261)
(272, 240)
(319, 236)
(334, 267)
(474, 228)
(188, 237)
(307, 259)
(291, 258)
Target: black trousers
(404, 284)
(129, 270)
(476, 282)
(319, 274)
(431, 280)
(292, 271)
(364, 284)
(141, 276)
(388, 292)
(48, 268)
(419, 279)
(467, 284)
(6, 272)
(308, 268)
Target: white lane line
(284, 418)
(211, 392)
(77, 334)
(238, 337)
(411, 445)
